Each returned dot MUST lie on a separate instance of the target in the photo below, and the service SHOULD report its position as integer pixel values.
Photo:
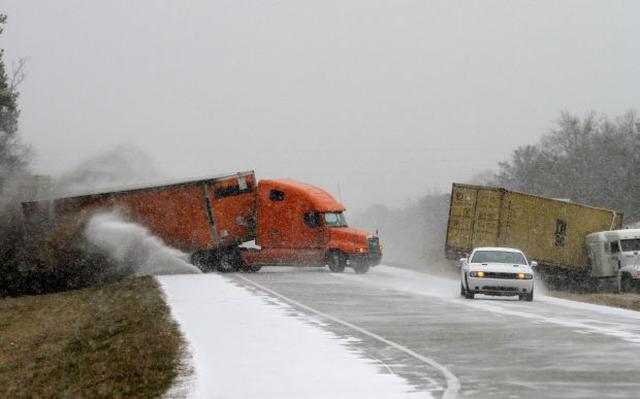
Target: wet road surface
(418, 327)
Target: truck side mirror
(534, 264)
(462, 261)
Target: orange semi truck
(292, 223)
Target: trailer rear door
(473, 219)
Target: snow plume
(133, 247)
(121, 166)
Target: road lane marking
(453, 384)
(626, 331)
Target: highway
(416, 326)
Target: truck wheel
(251, 269)
(626, 284)
(462, 293)
(469, 295)
(361, 268)
(228, 261)
(224, 266)
(337, 262)
(202, 260)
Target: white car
(497, 271)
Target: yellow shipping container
(548, 230)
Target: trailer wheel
(202, 260)
(337, 261)
(228, 260)
(224, 266)
(361, 268)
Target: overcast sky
(388, 99)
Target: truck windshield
(335, 219)
(630, 245)
(498, 257)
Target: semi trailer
(553, 232)
(214, 218)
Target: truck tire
(228, 260)
(626, 283)
(251, 269)
(337, 261)
(203, 261)
(225, 266)
(469, 295)
(462, 293)
(361, 268)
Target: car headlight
(476, 274)
(525, 276)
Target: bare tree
(593, 160)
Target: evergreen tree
(12, 153)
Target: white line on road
(453, 384)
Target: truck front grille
(374, 244)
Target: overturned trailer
(551, 231)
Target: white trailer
(615, 253)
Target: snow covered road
(407, 332)
(249, 345)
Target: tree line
(593, 160)
(36, 258)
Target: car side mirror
(534, 264)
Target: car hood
(500, 268)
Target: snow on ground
(246, 344)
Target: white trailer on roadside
(615, 253)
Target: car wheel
(527, 297)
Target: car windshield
(498, 257)
(335, 219)
(630, 244)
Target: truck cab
(610, 252)
(300, 224)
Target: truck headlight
(476, 274)
(525, 276)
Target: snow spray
(133, 247)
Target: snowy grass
(117, 340)
(247, 344)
